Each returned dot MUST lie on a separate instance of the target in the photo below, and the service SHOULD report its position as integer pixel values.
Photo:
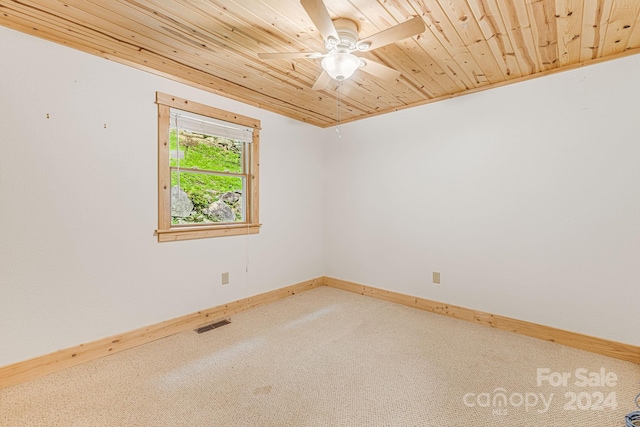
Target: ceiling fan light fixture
(341, 65)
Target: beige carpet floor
(332, 358)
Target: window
(207, 171)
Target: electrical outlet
(436, 277)
(225, 278)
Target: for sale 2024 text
(594, 400)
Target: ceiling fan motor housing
(348, 32)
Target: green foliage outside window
(207, 153)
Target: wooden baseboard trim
(602, 346)
(43, 365)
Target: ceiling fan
(341, 41)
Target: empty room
(320, 213)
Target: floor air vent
(211, 326)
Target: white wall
(526, 198)
(78, 204)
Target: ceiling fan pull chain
(338, 115)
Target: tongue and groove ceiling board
(468, 45)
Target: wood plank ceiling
(468, 45)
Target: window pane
(205, 152)
(200, 198)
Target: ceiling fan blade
(288, 55)
(393, 34)
(378, 70)
(319, 14)
(322, 82)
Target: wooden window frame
(166, 232)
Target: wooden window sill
(203, 231)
